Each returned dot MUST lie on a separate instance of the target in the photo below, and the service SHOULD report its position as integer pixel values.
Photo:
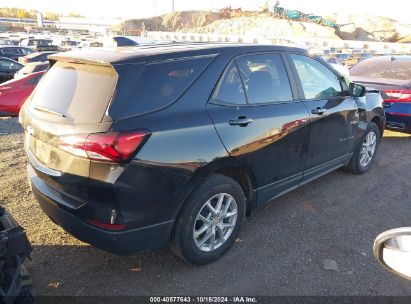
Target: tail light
(112, 227)
(397, 95)
(116, 147)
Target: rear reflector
(398, 95)
(114, 147)
(106, 226)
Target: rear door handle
(241, 121)
(318, 111)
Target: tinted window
(81, 92)
(230, 88)
(383, 68)
(11, 51)
(40, 67)
(162, 83)
(9, 65)
(316, 79)
(26, 51)
(123, 41)
(265, 78)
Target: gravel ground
(316, 240)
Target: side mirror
(357, 90)
(393, 250)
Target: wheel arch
(241, 174)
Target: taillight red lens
(397, 95)
(106, 226)
(111, 147)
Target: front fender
(374, 106)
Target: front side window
(316, 79)
(265, 78)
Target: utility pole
(172, 6)
(155, 13)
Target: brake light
(398, 95)
(114, 147)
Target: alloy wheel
(368, 149)
(215, 222)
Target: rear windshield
(80, 92)
(162, 83)
(390, 69)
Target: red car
(14, 93)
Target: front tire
(210, 220)
(365, 151)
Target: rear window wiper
(43, 109)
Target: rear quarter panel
(182, 145)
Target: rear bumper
(125, 242)
(398, 122)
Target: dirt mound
(189, 19)
(171, 22)
(372, 28)
(265, 24)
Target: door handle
(318, 111)
(241, 121)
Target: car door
(334, 115)
(260, 123)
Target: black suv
(131, 149)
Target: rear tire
(210, 220)
(366, 150)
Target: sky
(127, 9)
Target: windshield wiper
(43, 109)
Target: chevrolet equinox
(135, 148)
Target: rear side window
(161, 83)
(79, 92)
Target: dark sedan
(14, 52)
(392, 76)
(8, 68)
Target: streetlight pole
(172, 6)
(155, 13)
